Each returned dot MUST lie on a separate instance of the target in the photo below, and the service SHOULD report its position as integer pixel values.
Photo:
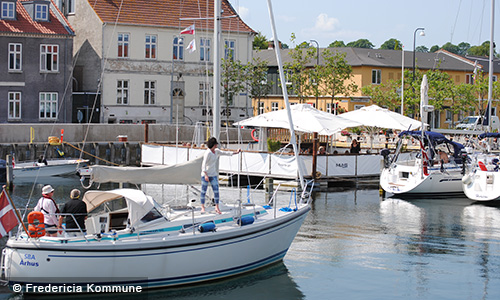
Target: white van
(475, 123)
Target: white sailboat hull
(407, 179)
(158, 260)
(482, 186)
(53, 168)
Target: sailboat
(480, 183)
(133, 242)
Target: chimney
(271, 45)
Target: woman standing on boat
(209, 171)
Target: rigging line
(455, 24)
(99, 86)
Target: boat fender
(246, 220)
(206, 227)
(253, 135)
(482, 166)
(467, 179)
(36, 227)
(426, 171)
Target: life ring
(36, 229)
(253, 135)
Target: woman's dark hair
(211, 142)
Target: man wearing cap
(78, 209)
(49, 208)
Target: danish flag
(8, 218)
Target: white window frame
(123, 45)
(150, 92)
(469, 78)
(122, 91)
(230, 47)
(376, 76)
(205, 44)
(41, 12)
(48, 105)
(178, 48)
(274, 106)
(204, 92)
(262, 108)
(71, 6)
(47, 61)
(8, 10)
(151, 41)
(14, 106)
(15, 57)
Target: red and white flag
(191, 47)
(188, 30)
(8, 218)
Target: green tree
(260, 42)
(483, 50)
(434, 49)
(463, 48)
(296, 70)
(361, 43)
(303, 45)
(337, 44)
(336, 75)
(233, 80)
(422, 49)
(451, 48)
(392, 44)
(461, 100)
(384, 94)
(256, 79)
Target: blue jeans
(214, 182)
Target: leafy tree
(260, 42)
(461, 100)
(256, 80)
(384, 94)
(463, 48)
(361, 43)
(392, 44)
(336, 75)
(296, 70)
(232, 80)
(434, 49)
(422, 49)
(303, 45)
(451, 48)
(337, 44)
(483, 50)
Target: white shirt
(210, 159)
(48, 208)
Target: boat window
(153, 214)
(110, 206)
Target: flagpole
(15, 209)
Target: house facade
(372, 67)
(36, 47)
(134, 58)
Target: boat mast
(490, 73)
(217, 62)
(285, 93)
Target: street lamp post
(317, 64)
(422, 33)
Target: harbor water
(355, 245)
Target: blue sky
(349, 20)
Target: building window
(178, 48)
(15, 57)
(229, 49)
(262, 109)
(71, 6)
(204, 49)
(204, 92)
(8, 10)
(149, 92)
(41, 12)
(376, 75)
(494, 78)
(14, 105)
(48, 106)
(274, 106)
(122, 92)
(123, 44)
(49, 58)
(151, 46)
(469, 78)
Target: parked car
(475, 123)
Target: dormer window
(41, 12)
(8, 10)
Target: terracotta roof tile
(25, 24)
(167, 13)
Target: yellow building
(373, 66)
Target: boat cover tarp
(184, 173)
(489, 135)
(137, 202)
(435, 139)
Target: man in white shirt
(209, 171)
(48, 207)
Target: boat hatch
(404, 175)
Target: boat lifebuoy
(36, 229)
(253, 135)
